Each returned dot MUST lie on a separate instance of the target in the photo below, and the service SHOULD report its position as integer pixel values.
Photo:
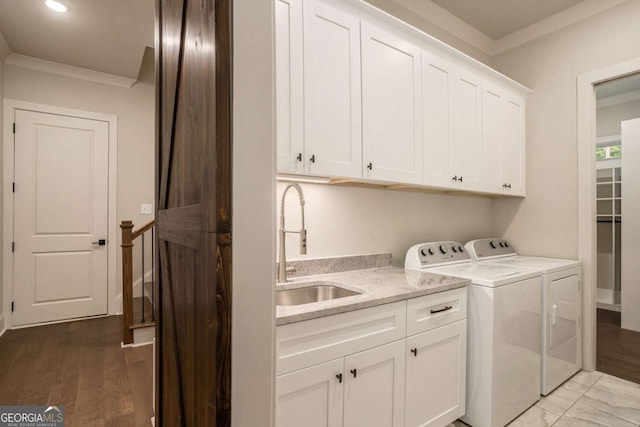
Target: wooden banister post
(127, 281)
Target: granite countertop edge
(378, 286)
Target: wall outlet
(146, 209)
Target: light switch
(146, 209)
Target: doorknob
(100, 242)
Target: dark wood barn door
(193, 159)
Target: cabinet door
(391, 107)
(513, 148)
(467, 146)
(289, 86)
(374, 387)
(311, 397)
(332, 98)
(493, 138)
(436, 371)
(437, 119)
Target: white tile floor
(587, 399)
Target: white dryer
(504, 324)
(561, 308)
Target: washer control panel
(489, 248)
(435, 253)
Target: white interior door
(61, 201)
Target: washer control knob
(454, 248)
(502, 244)
(423, 252)
(431, 251)
(493, 244)
(506, 244)
(443, 249)
(460, 248)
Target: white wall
(351, 220)
(608, 118)
(136, 116)
(545, 223)
(253, 314)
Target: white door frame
(10, 106)
(587, 196)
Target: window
(610, 152)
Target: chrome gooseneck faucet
(282, 259)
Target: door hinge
(13, 246)
(579, 285)
(13, 306)
(14, 187)
(14, 128)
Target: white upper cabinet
(332, 98)
(503, 139)
(391, 107)
(513, 148)
(362, 96)
(493, 136)
(466, 144)
(437, 119)
(289, 85)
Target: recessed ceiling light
(57, 6)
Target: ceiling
(499, 18)
(108, 36)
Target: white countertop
(377, 286)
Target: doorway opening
(617, 136)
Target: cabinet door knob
(414, 351)
(460, 179)
(299, 157)
(455, 178)
(313, 158)
(339, 377)
(508, 185)
(354, 372)
(370, 166)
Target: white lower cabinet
(311, 397)
(336, 370)
(374, 387)
(435, 376)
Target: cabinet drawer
(303, 344)
(433, 311)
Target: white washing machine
(561, 310)
(503, 323)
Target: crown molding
(5, 50)
(445, 20)
(455, 26)
(618, 99)
(553, 23)
(68, 70)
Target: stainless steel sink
(314, 292)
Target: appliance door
(563, 354)
(503, 362)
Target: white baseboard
(143, 336)
(2, 329)
(610, 307)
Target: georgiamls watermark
(31, 416)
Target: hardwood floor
(618, 350)
(80, 366)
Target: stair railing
(130, 319)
